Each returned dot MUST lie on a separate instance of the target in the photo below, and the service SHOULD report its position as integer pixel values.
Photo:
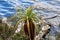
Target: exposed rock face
(55, 28)
(39, 36)
(54, 21)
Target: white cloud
(2, 14)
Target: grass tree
(29, 19)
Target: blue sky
(7, 8)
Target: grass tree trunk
(26, 29)
(32, 29)
(31, 32)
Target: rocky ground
(52, 17)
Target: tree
(29, 19)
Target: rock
(52, 37)
(53, 21)
(4, 20)
(39, 36)
(46, 27)
(50, 17)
